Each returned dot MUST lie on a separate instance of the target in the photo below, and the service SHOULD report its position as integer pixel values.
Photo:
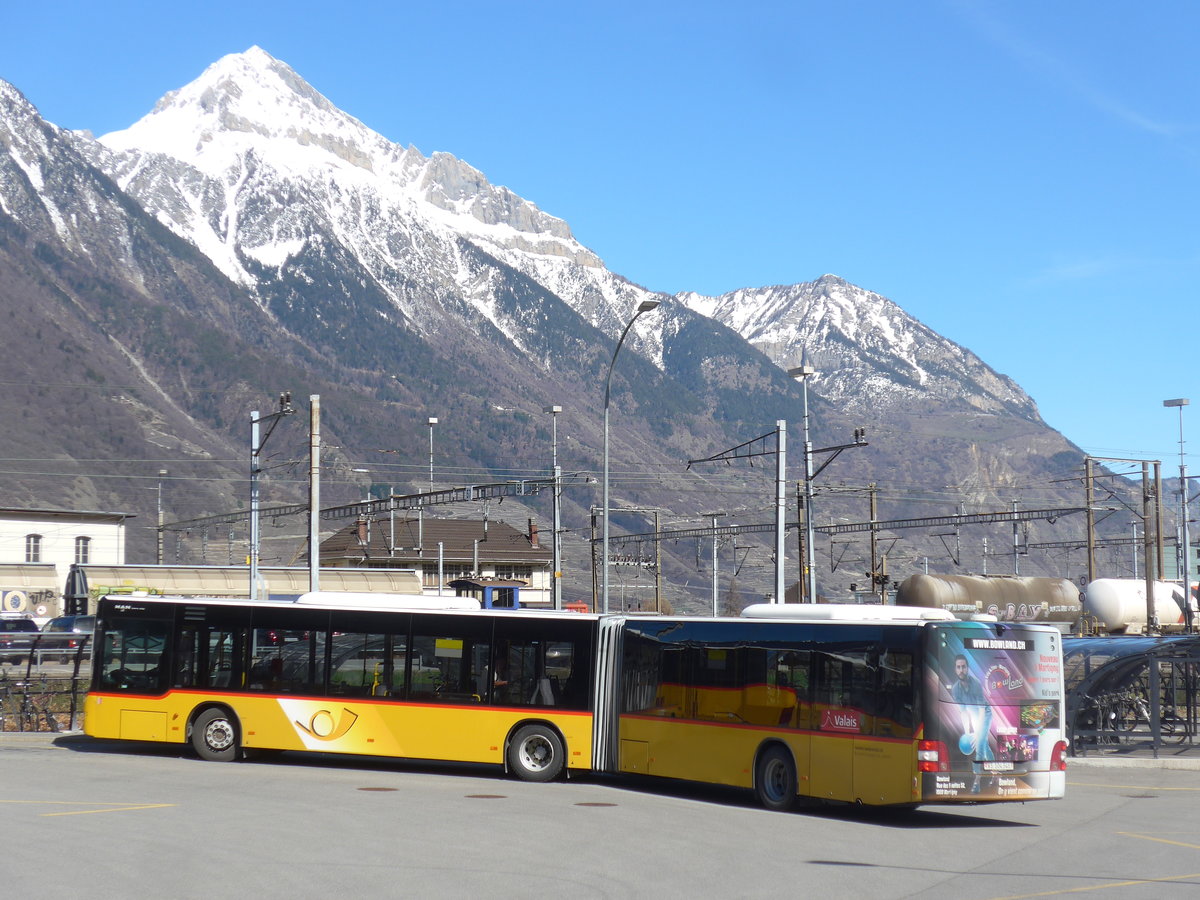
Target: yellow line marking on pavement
(1147, 837)
(1119, 884)
(1131, 787)
(107, 807)
(1100, 887)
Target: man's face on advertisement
(960, 669)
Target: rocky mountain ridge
(247, 237)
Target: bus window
(542, 662)
(223, 668)
(132, 654)
(718, 680)
(287, 650)
(526, 674)
(842, 691)
(187, 657)
(359, 665)
(776, 690)
(894, 699)
(450, 660)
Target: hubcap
(774, 780)
(536, 753)
(218, 735)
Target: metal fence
(43, 681)
(1133, 694)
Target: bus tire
(215, 736)
(775, 779)
(536, 753)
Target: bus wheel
(535, 754)
(214, 736)
(775, 779)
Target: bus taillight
(1058, 759)
(932, 756)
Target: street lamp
(644, 307)
(802, 373)
(1185, 548)
(432, 421)
(556, 582)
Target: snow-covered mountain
(246, 237)
(872, 354)
(271, 181)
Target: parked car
(64, 626)
(16, 639)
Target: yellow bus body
(828, 767)
(462, 733)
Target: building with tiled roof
(444, 550)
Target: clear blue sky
(1020, 176)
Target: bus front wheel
(775, 779)
(535, 753)
(214, 736)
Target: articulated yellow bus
(901, 709)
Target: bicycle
(1133, 713)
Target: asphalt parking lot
(138, 820)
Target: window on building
(83, 550)
(450, 571)
(33, 548)
(514, 573)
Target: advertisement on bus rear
(994, 709)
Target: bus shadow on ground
(294, 758)
(889, 817)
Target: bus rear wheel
(775, 779)
(535, 753)
(214, 736)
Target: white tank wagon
(1009, 598)
(1119, 604)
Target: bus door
(780, 698)
(839, 719)
(883, 750)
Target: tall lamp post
(556, 582)
(432, 421)
(1185, 561)
(644, 307)
(802, 373)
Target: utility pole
(1016, 543)
(556, 583)
(801, 513)
(256, 446)
(432, 421)
(314, 492)
(592, 550)
(781, 499)
(1089, 500)
(716, 611)
(874, 539)
(657, 569)
(1147, 546)
(714, 516)
(158, 557)
(1185, 549)
(1158, 517)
